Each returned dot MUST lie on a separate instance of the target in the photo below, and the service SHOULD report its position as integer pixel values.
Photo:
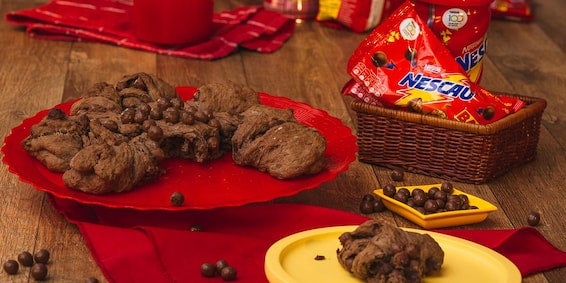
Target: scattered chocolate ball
(366, 207)
(220, 264)
(378, 205)
(228, 273)
(397, 175)
(368, 197)
(195, 228)
(177, 199)
(91, 280)
(39, 271)
(319, 257)
(534, 218)
(371, 203)
(41, 256)
(11, 266)
(25, 259)
(208, 269)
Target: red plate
(219, 183)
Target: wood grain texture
(522, 58)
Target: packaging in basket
(461, 25)
(403, 65)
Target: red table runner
(160, 243)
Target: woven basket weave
(448, 149)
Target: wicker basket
(448, 149)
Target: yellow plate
(439, 219)
(292, 259)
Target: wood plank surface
(522, 58)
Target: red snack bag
(402, 64)
(357, 15)
(358, 91)
(462, 26)
(517, 10)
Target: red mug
(173, 22)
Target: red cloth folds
(110, 21)
(124, 254)
(526, 247)
(161, 243)
(173, 253)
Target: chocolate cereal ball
(39, 271)
(11, 266)
(25, 259)
(41, 256)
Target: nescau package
(403, 65)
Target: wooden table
(522, 58)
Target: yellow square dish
(439, 219)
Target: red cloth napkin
(110, 21)
(526, 247)
(124, 242)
